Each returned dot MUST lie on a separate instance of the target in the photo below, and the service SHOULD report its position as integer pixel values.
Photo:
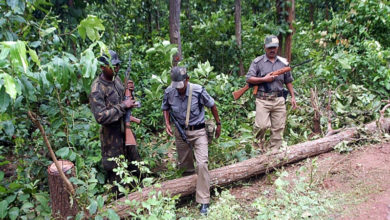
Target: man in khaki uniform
(270, 103)
(175, 101)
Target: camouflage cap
(271, 41)
(178, 76)
(114, 58)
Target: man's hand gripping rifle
(237, 94)
(180, 129)
(129, 94)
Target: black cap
(178, 76)
(114, 58)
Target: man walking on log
(109, 107)
(270, 97)
(184, 102)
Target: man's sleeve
(165, 104)
(252, 72)
(288, 77)
(104, 115)
(206, 99)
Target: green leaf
(47, 31)
(63, 152)
(1, 175)
(72, 156)
(100, 201)
(10, 86)
(42, 198)
(3, 209)
(80, 215)
(90, 27)
(13, 213)
(34, 56)
(4, 100)
(112, 215)
(92, 207)
(9, 128)
(98, 217)
(18, 54)
(4, 53)
(89, 64)
(27, 206)
(18, 6)
(344, 63)
(11, 198)
(35, 44)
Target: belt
(269, 95)
(194, 127)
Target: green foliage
(226, 207)
(297, 200)
(21, 198)
(90, 27)
(157, 206)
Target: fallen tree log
(245, 169)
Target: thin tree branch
(33, 118)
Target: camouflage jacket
(106, 105)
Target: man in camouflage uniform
(270, 103)
(175, 101)
(108, 106)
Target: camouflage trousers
(130, 153)
(270, 114)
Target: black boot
(204, 208)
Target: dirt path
(359, 180)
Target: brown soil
(359, 181)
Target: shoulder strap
(188, 107)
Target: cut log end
(64, 164)
(61, 202)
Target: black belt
(194, 127)
(274, 94)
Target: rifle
(129, 94)
(237, 94)
(179, 128)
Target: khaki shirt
(176, 103)
(261, 66)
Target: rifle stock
(129, 94)
(237, 94)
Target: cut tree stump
(61, 203)
(245, 169)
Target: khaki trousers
(270, 114)
(198, 141)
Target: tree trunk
(326, 10)
(188, 15)
(316, 109)
(290, 19)
(157, 16)
(61, 204)
(279, 20)
(174, 29)
(149, 18)
(237, 19)
(311, 12)
(248, 168)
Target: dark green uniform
(106, 105)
